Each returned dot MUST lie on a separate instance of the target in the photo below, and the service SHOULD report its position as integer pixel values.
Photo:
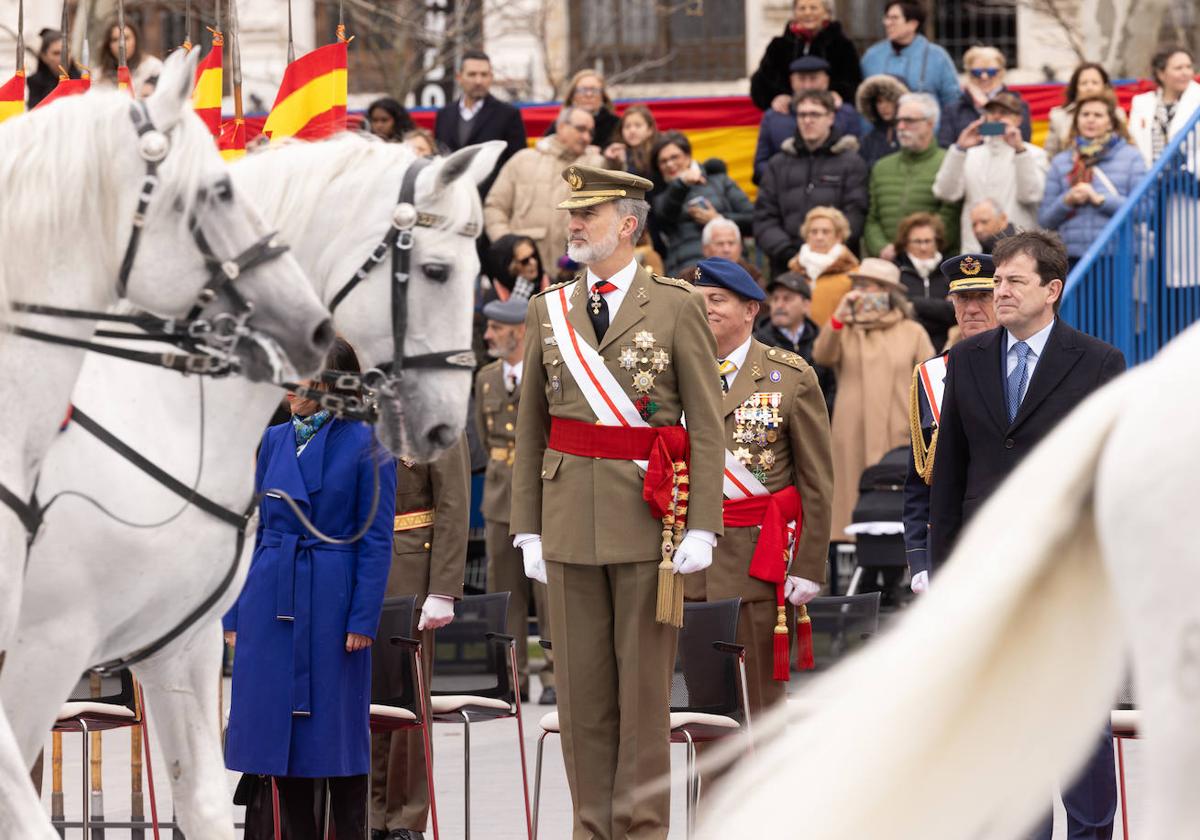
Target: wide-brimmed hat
(885, 272)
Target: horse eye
(437, 272)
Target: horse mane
(56, 164)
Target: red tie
(603, 287)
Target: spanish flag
(206, 97)
(66, 87)
(311, 102)
(12, 96)
(232, 142)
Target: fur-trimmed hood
(874, 87)
(843, 144)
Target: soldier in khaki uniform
(497, 393)
(777, 429)
(613, 359)
(429, 552)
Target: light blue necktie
(1018, 378)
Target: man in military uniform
(497, 393)
(779, 476)
(972, 285)
(613, 360)
(429, 552)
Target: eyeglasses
(589, 90)
(913, 242)
(527, 260)
(811, 115)
(985, 72)
(582, 129)
(897, 18)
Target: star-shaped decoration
(628, 358)
(766, 458)
(659, 359)
(742, 454)
(643, 381)
(644, 340)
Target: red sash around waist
(659, 446)
(773, 513)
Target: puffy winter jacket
(993, 170)
(1080, 226)
(680, 232)
(902, 184)
(797, 180)
(931, 306)
(772, 76)
(775, 128)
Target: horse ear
(174, 91)
(477, 161)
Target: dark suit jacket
(496, 120)
(977, 446)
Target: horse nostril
(323, 335)
(441, 436)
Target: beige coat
(524, 200)
(874, 365)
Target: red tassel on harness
(804, 640)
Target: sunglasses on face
(527, 260)
(589, 90)
(985, 72)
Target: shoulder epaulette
(490, 366)
(553, 286)
(787, 357)
(672, 281)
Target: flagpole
(235, 60)
(64, 68)
(291, 42)
(187, 25)
(341, 27)
(122, 59)
(21, 37)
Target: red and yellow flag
(12, 96)
(206, 96)
(311, 102)
(232, 141)
(124, 79)
(65, 88)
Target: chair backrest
(392, 680)
(841, 625)
(706, 679)
(115, 688)
(465, 661)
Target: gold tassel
(669, 608)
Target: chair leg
(466, 775)
(275, 822)
(692, 787)
(1121, 779)
(745, 698)
(329, 807)
(85, 818)
(426, 722)
(512, 668)
(537, 782)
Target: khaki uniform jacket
(797, 452)
(496, 421)
(590, 510)
(431, 558)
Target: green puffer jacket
(902, 184)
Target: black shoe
(549, 697)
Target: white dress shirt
(738, 357)
(623, 279)
(513, 371)
(468, 113)
(1037, 344)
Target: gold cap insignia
(970, 266)
(574, 179)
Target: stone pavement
(496, 807)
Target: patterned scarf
(1088, 154)
(804, 34)
(306, 427)
(1159, 131)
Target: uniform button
(543, 473)
(508, 427)
(428, 546)
(1009, 443)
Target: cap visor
(585, 201)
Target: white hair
(979, 53)
(990, 202)
(927, 103)
(717, 224)
(564, 116)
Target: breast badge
(645, 361)
(757, 422)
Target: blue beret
(511, 311)
(717, 271)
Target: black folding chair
(709, 699)
(475, 680)
(841, 624)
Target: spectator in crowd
(477, 116)
(878, 100)
(1091, 182)
(907, 54)
(421, 141)
(902, 183)
(825, 259)
(811, 32)
(1155, 117)
(815, 168)
(300, 705)
(989, 224)
(587, 91)
(529, 187)
(694, 195)
(722, 238)
(808, 73)
(872, 345)
(45, 78)
(389, 120)
(515, 266)
(142, 65)
(637, 132)
(1003, 167)
(984, 67)
(789, 325)
(1089, 79)
(919, 241)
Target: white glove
(438, 611)
(694, 553)
(920, 582)
(531, 553)
(799, 590)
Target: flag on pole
(124, 79)
(206, 96)
(12, 96)
(232, 142)
(311, 102)
(65, 88)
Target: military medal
(594, 297)
(743, 455)
(628, 358)
(644, 340)
(659, 360)
(643, 381)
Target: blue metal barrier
(1138, 285)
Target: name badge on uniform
(550, 341)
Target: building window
(635, 41)
(961, 24)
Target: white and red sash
(932, 375)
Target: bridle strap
(29, 513)
(401, 268)
(142, 123)
(223, 273)
(199, 363)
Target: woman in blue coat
(308, 613)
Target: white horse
(992, 689)
(105, 198)
(125, 588)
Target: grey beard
(593, 252)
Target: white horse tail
(992, 689)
